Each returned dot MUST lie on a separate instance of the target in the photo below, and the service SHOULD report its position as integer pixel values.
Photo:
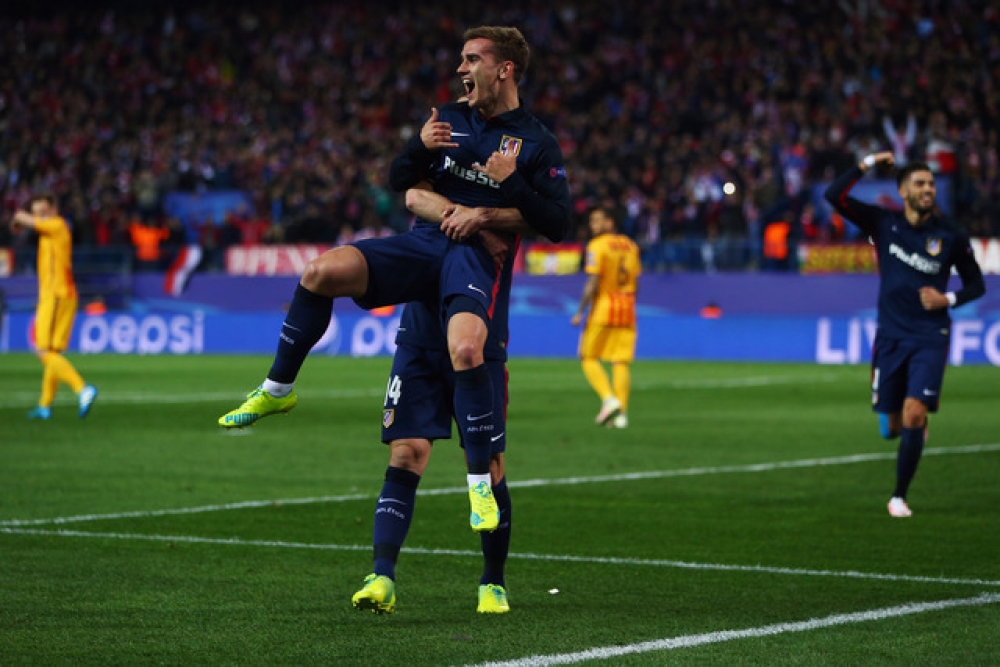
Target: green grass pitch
(739, 520)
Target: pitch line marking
(550, 558)
(16, 399)
(528, 483)
(688, 641)
(24, 399)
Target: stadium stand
(658, 105)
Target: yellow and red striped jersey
(614, 258)
(55, 258)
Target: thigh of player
(54, 323)
(612, 344)
(469, 270)
(403, 268)
(889, 376)
(925, 374)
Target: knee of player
(465, 353)
(914, 413)
(410, 454)
(338, 272)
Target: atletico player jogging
(917, 249)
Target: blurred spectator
(301, 105)
(147, 240)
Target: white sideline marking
(249, 504)
(23, 399)
(738, 383)
(687, 641)
(529, 483)
(29, 400)
(642, 562)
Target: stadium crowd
(658, 104)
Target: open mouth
(469, 86)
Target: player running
(917, 249)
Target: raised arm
(865, 216)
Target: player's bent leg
(342, 271)
(473, 407)
(378, 595)
(467, 333)
(889, 425)
(260, 403)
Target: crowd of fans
(657, 104)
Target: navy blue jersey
(538, 189)
(911, 257)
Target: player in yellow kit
(613, 269)
(57, 302)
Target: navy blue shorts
(425, 265)
(902, 369)
(420, 394)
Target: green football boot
(260, 403)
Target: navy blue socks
(306, 322)
(911, 446)
(497, 544)
(475, 418)
(393, 514)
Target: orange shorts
(54, 323)
(614, 344)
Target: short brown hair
(510, 45)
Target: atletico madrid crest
(933, 247)
(388, 417)
(510, 146)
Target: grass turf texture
(634, 558)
